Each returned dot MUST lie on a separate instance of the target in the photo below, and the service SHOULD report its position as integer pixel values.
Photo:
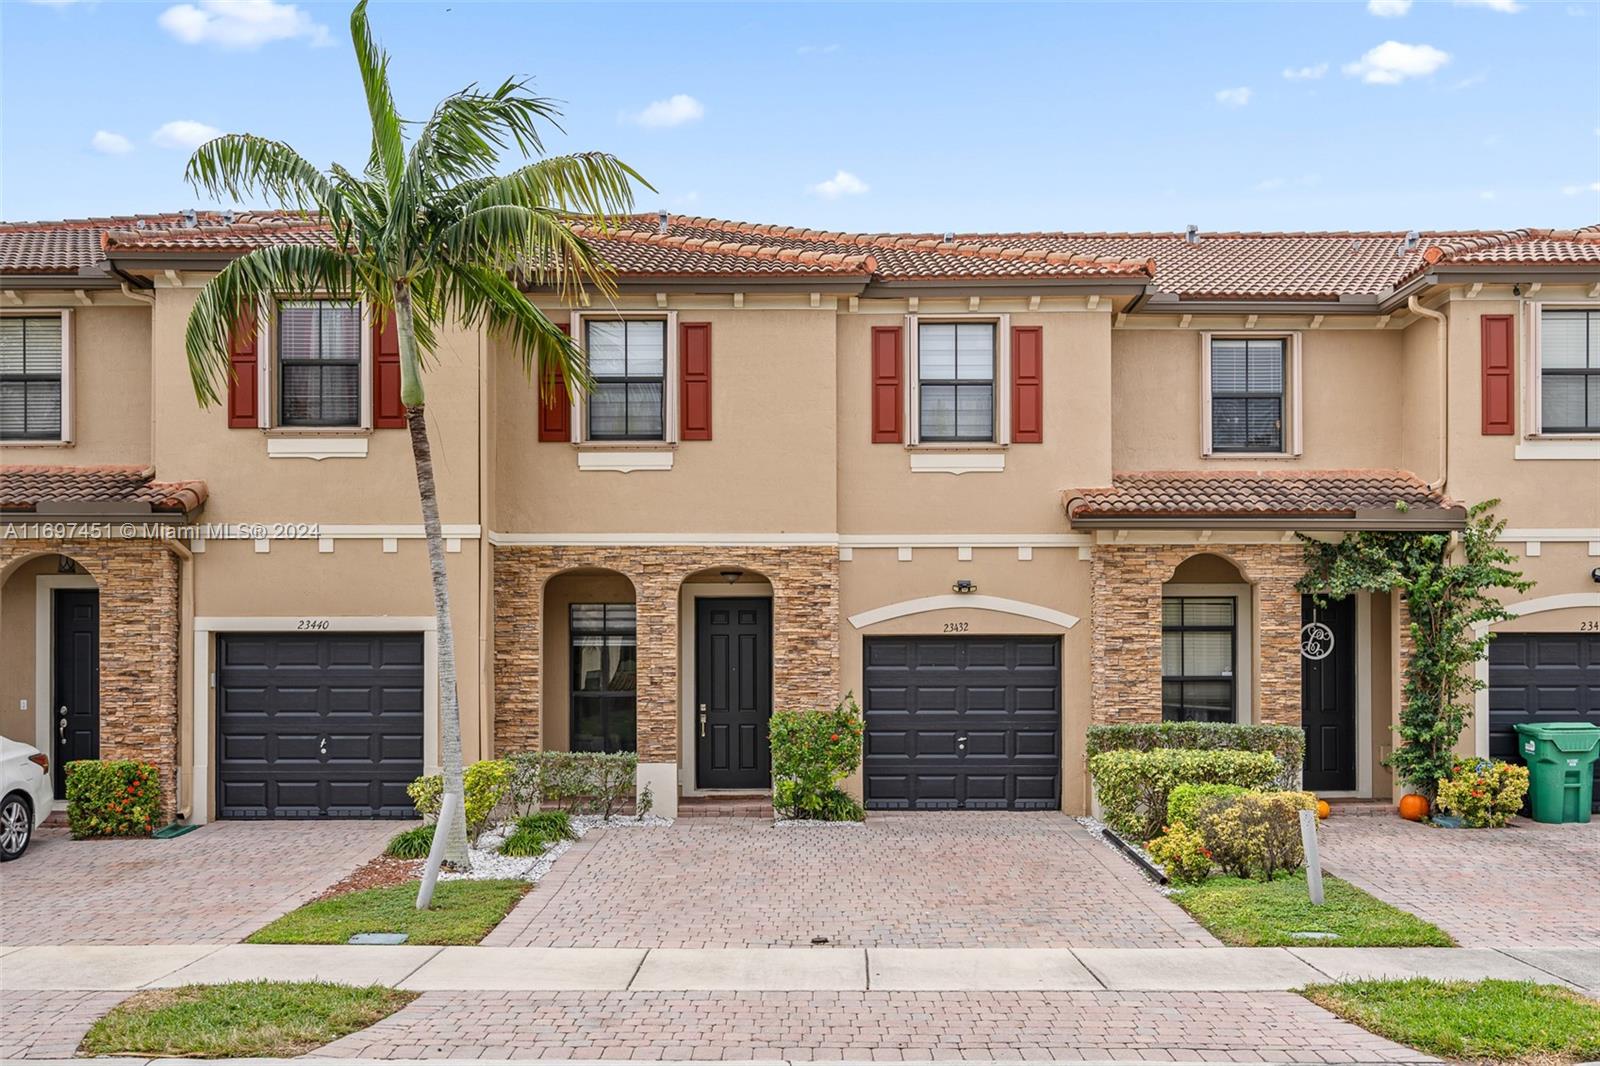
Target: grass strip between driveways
(1265, 914)
(246, 1019)
(1491, 1021)
(462, 913)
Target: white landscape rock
(489, 864)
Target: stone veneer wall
(139, 617)
(1126, 626)
(805, 635)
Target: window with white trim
(1251, 388)
(318, 364)
(956, 372)
(1569, 371)
(33, 364)
(1198, 651)
(628, 361)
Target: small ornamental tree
(1449, 584)
(812, 751)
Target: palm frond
(388, 159)
(534, 243)
(596, 185)
(241, 165)
(468, 130)
(486, 298)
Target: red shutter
(555, 406)
(387, 411)
(694, 370)
(242, 380)
(1499, 375)
(888, 405)
(1027, 384)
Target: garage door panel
(929, 700)
(1541, 677)
(318, 725)
(888, 742)
(983, 743)
(1041, 654)
(1038, 742)
(986, 699)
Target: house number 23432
(955, 627)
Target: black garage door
(1541, 677)
(963, 722)
(318, 725)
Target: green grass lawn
(1265, 913)
(1492, 1021)
(246, 1019)
(462, 912)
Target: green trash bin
(1560, 758)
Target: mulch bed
(379, 873)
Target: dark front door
(77, 685)
(1541, 677)
(318, 725)
(1328, 693)
(733, 692)
(963, 722)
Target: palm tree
(428, 232)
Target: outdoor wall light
(730, 576)
(64, 565)
(964, 586)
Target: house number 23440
(955, 627)
(312, 623)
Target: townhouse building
(998, 486)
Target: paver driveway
(926, 879)
(217, 884)
(1528, 885)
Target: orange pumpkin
(1413, 808)
(1323, 810)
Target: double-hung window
(604, 660)
(1198, 641)
(319, 363)
(628, 361)
(32, 362)
(956, 381)
(1247, 394)
(1569, 371)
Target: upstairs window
(1569, 371)
(31, 368)
(319, 363)
(1247, 394)
(604, 666)
(628, 361)
(1198, 639)
(955, 381)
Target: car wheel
(16, 827)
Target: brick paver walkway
(930, 880)
(884, 1026)
(1528, 885)
(217, 884)
(49, 1025)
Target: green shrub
(411, 843)
(812, 751)
(1183, 854)
(1286, 743)
(1133, 786)
(1256, 834)
(112, 798)
(536, 832)
(486, 784)
(1185, 801)
(578, 782)
(1484, 794)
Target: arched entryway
(590, 699)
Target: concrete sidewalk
(511, 969)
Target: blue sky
(901, 116)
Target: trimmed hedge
(1286, 743)
(578, 782)
(1255, 834)
(112, 798)
(485, 785)
(1133, 786)
(1185, 801)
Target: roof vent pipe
(1413, 238)
(1191, 234)
(949, 236)
(190, 218)
(661, 222)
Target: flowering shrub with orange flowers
(1182, 853)
(112, 798)
(1484, 793)
(812, 751)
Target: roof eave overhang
(55, 511)
(847, 284)
(1417, 520)
(1514, 274)
(1006, 286)
(96, 277)
(1171, 303)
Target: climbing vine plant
(1449, 586)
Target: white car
(25, 795)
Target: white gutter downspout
(1416, 308)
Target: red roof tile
(1239, 494)
(24, 488)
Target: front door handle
(61, 724)
(702, 719)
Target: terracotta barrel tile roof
(1255, 494)
(24, 488)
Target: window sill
(957, 458)
(291, 432)
(345, 445)
(1254, 457)
(1574, 446)
(624, 457)
(35, 443)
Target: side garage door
(1541, 677)
(318, 725)
(963, 722)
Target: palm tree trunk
(452, 831)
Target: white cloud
(183, 133)
(1236, 97)
(818, 49)
(1388, 9)
(1505, 7)
(1486, 194)
(1311, 73)
(1469, 82)
(1270, 185)
(1579, 190)
(108, 143)
(843, 183)
(241, 23)
(1391, 63)
(675, 110)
